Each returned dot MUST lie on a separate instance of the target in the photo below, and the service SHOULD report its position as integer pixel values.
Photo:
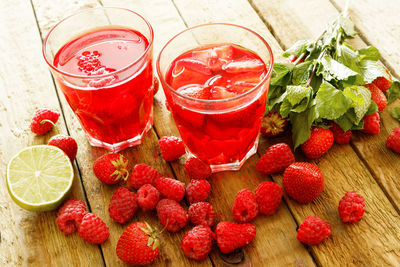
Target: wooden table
(365, 165)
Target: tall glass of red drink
(101, 59)
(216, 78)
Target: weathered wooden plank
(27, 238)
(98, 194)
(292, 21)
(275, 243)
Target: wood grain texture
(292, 21)
(99, 194)
(275, 243)
(28, 238)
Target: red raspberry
(351, 207)
(93, 229)
(170, 211)
(313, 230)
(147, 197)
(340, 136)
(393, 140)
(231, 236)
(202, 213)
(276, 159)
(197, 190)
(197, 243)
(318, 144)
(111, 168)
(66, 144)
(377, 96)
(171, 148)
(268, 197)
(70, 216)
(38, 126)
(123, 205)
(372, 123)
(197, 169)
(383, 83)
(143, 174)
(273, 124)
(171, 188)
(245, 206)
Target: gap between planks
(67, 129)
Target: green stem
(52, 123)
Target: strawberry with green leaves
(111, 168)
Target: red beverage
(221, 74)
(113, 96)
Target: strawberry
(171, 188)
(372, 123)
(273, 124)
(377, 96)
(244, 65)
(197, 190)
(111, 168)
(231, 236)
(242, 83)
(70, 215)
(195, 91)
(171, 147)
(197, 243)
(66, 144)
(192, 64)
(41, 121)
(268, 197)
(303, 181)
(171, 215)
(123, 205)
(156, 85)
(318, 144)
(340, 136)
(138, 244)
(142, 174)
(351, 207)
(275, 159)
(148, 197)
(245, 207)
(313, 230)
(197, 169)
(393, 140)
(202, 213)
(93, 230)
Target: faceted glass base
(137, 140)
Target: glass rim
(145, 52)
(269, 71)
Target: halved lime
(39, 177)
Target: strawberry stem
(52, 123)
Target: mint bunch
(325, 82)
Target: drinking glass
(113, 105)
(221, 132)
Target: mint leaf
(346, 122)
(295, 94)
(395, 112)
(360, 106)
(331, 69)
(301, 125)
(331, 103)
(301, 73)
(285, 108)
(369, 53)
(281, 74)
(371, 70)
(350, 58)
(393, 92)
(347, 26)
(372, 108)
(297, 49)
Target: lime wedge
(39, 177)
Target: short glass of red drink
(101, 59)
(216, 78)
